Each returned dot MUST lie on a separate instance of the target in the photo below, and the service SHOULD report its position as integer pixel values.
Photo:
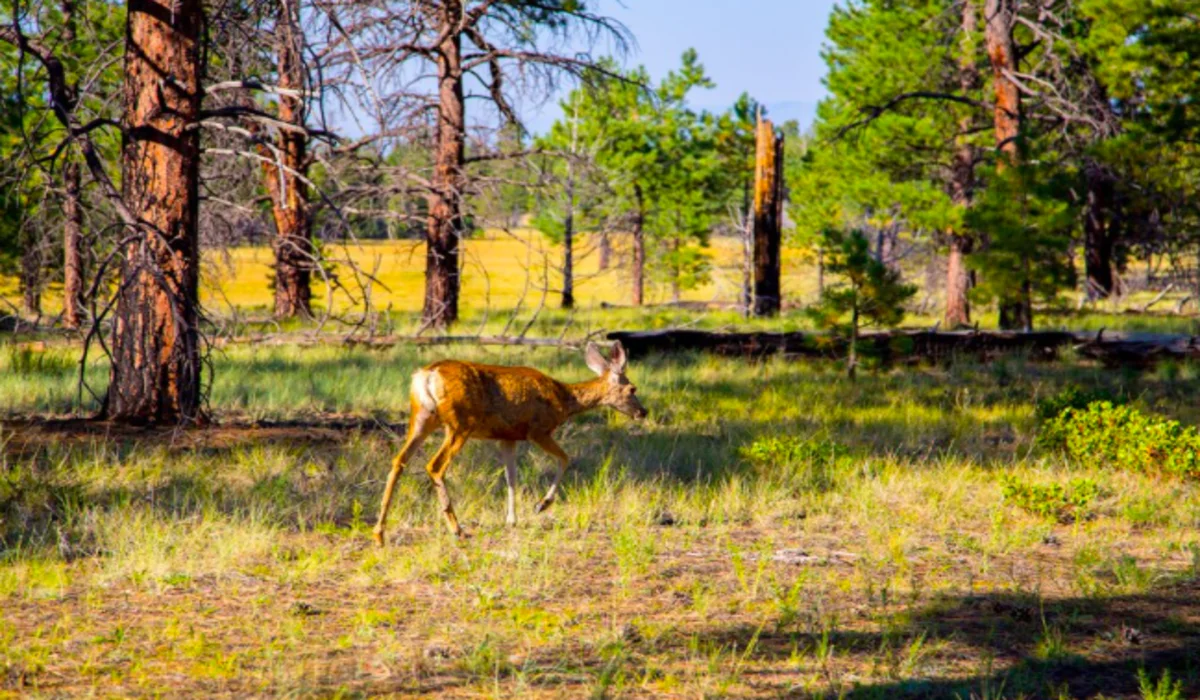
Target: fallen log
(1115, 348)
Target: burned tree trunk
(639, 248)
(444, 233)
(284, 179)
(1001, 50)
(962, 183)
(72, 247)
(568, 290)
(1097, 233)
(156, 369)
(768, 219)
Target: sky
(768, 48)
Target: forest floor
(772, 530)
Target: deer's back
(491, 401)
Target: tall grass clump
(1124, 438)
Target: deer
(508, 405)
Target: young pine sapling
(868, 291)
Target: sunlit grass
(238, 560)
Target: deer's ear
(619, 358)
(595, 359)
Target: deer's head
(619, 392)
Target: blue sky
(769, 48)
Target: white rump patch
(427, 389)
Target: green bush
(1065, 503)
(1122, 437)
(1050, 407)
(808, 464)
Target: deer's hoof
(541, 506)
(377, 535)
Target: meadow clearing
(773, 529)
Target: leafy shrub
(808, 462)
(1065, 503)
(1122, 437)
(1050, 407)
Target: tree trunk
(605, 252)
(568, 291)
(72, 213)
(31, 275)
(768, 219)
(1097, 233)
(1001, 50)
(294, 254)
(676, 270)
(72, 247)
(444, 233)
(156, 369)
(962, 181)
(747, 253)
(639, 247)
(958, 283)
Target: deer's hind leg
(421, 423)
(508, 454)
(437, 470)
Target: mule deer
(508, 404)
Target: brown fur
(509, 404)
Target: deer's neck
(586, 396)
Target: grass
(510, 278)
(773, 529)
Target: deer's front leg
(551, 447)
(508, 454)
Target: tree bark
(1097, 233)
(31, 275)
(768, 219)
(444, 232)
(747, 252)
(962, 181)
(605, 252)
(639, 247)
(72, 247)
(568, 291)
(72, 213)
(156, 368)
(1001, 17)
(294, 254)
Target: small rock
(665, 519)
(303, 609)
(1132, 636)
(631, 634)
(1051, 540)
(435, 651)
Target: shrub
(808, 463)
(1050, 407)
(1122, 437)
(1065, 503)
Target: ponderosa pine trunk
(1001, 49)
(294, 254)
(604, 251)
(962, 181)
(72, 247)
(444, 233)
(1097, 233)
(639, 247)
(768, 218)
(156, 368)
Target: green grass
(773, 529)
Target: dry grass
(880, 560)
